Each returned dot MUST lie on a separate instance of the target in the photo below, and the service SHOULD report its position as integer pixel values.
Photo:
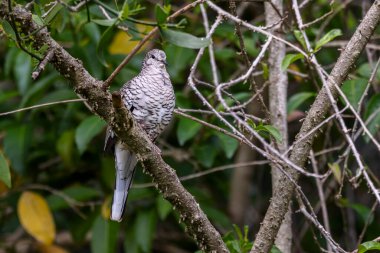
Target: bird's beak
(165, 62)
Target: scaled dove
(150, 98)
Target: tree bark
(278, 84)
(283, 192)
(111, 109)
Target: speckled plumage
(150, 98)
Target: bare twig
(73, 203)
(246, 58)
(42, 65)
(342, 44)
(214, 68)
(318, 19)
(321, 196)
(207, 172)
(107, 83)
(18, 38)
(280, 201)
(367, 223)
(42, 105)
(124, 125)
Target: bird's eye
(153, 57)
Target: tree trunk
(278, 83)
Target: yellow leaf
(122, 43)
(42, 248)
(35, 216)
(3, 188)
(106, 208)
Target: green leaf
(65, 148)
(58, 95)
(105, 22)
(92, 31)
(300, 38)
(163, 207)
(88, 129)
(274, 249)
(265, 71)
(104, 236)
(76, 192)
(229, 144)
(373, 111)
(124, 13)
(80, 227)
(238, 232)
(7, 95)
(335, 168)
(7, 28)
(271, 130)
(16, 144)
(184, 39)
(186, 130)
(353, 89)
(9, 60)
(366, 246)
(104, 42)
(235, 246)
(365, 71)
(145, 228)
(297, 99)
(327, 38)
(289, 59)
(178, 59)
(130, 242)
(217, 216)
(22, 71)
(52, 13)
(161, 14)
(38, 88)
(206, 154)
(5, 174)
(363, 211)
(37, 20)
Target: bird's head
(156, 58)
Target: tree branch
(120, 119)
(278, 86)
(284, 191)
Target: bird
(150, 98)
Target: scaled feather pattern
(150, 98)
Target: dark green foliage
(57, 150)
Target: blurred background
(55, 151)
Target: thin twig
(42, 105)
(207, 172)
(18, 39)
(73, 203)
(107, 83)
(42, 64)
(322, 199)
(318, 19)
(367, 222)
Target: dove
(150, 98)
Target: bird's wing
(111, 138)
(110, 141)
(125, 162)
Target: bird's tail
(125, 163)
